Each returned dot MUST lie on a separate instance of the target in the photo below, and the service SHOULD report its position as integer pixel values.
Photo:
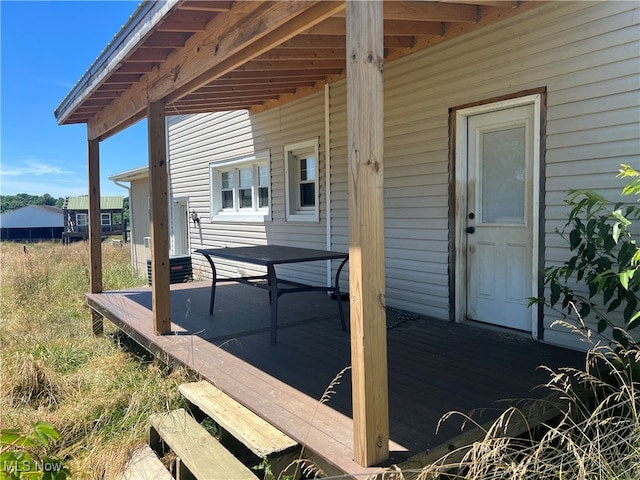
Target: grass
(98, 391)
(97, 394)
(596, 435)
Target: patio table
(269, 256)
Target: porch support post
(159, 186)
(365, 95)
(95, 228)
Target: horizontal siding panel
(584, 53)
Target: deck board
(434, 366)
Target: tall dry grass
(595, 437)
(97, 395)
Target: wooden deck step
(198, 451)
(259, 436)
(145, 465)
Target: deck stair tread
(197, 450)
(145, 465)
(258, 435)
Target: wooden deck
(434, 366)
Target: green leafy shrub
(23, 455)
(605, 260)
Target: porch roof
(206, 56)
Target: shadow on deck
(434, 366)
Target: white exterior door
(498, 229)
(180, 224)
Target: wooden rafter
(200, 43)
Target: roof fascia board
(143, 21)
(130, 175)
(230, 40)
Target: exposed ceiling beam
(205, 6)
(403, 28)
(249, 29)
(304, 54)
(166, 40)
(185, 21)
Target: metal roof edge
(133, 174)
(147, 16)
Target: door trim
(458, 142)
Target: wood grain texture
(434, 366)
(159, 181)
(203, 456)
(255, 433)
(365, 100)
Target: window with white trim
(82, 219)
(241, 189)
(105, 219)
(301, 179)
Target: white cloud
(37, 177)
(32, 167)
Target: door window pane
(502, 189)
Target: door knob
(471, 229)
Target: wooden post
(95, 229)
(365, 94)
(159, 183)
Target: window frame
(238, 213)
(102, 218)
(85, 219)
(293, 154)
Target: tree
(13, 202)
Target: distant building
(139, 218)
(32, 223)
(76, 217)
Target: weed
(97, 396)
(595, 436)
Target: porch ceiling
(207, 56)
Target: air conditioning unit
(180, 270)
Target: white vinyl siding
(198, 141)
(584, 53)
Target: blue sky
(46, 46)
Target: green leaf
(620, 337)
(46, 433)
(629, 310)
(585, 310)
(574, 239)
(13, 436)
(609, 243)
(625, 277)
(626, 254)
(617, 214)
(615, 304)
(602, 326)
(615, 234)
(555, 293)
